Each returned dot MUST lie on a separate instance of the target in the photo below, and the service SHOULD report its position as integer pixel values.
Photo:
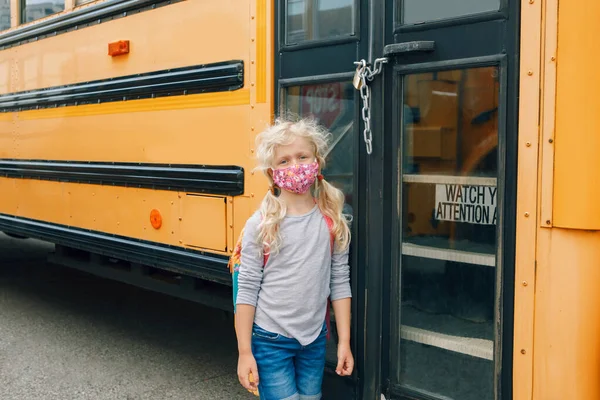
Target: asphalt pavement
(68, 335)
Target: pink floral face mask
(297, 178)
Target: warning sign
(323, 101)
(466, 203)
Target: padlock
(357, 81)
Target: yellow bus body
(557, 280)
(212, 128)
(556, 338)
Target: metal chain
(365, 73)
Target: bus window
(36, 9)
(81, 2)
(449, 232)
(4, 14)
(318, 19)
(414, 11)
(333, 105)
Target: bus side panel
(181, 34)
(210, 134)
(211, 130)
(577, 136)
(567, 316)
(7, 135)
(566, 267)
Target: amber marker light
(118, 48)
(155, 219)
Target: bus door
(316, 44)
(444, 79)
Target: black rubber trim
(87, 16)
(218, 180)
(199, 264)
(215, 77)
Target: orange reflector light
(155, 219)
(118, 48)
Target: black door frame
(373, 258)
(399, 72)
(323, 61)
(505, 53)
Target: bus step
(150, 278)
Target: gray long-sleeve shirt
(290, 292)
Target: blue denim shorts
(286, 369)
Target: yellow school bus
(465, 139)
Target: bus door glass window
(4, 14)
(332, 104)
(36, 9)
(449, 219)
(419, 11)
(309, 20)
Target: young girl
(281, 305)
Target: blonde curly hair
(330, 199)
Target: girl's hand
(248, 372)
(345, 360)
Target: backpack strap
(329, 223)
